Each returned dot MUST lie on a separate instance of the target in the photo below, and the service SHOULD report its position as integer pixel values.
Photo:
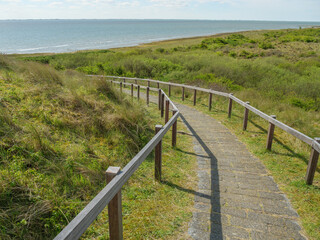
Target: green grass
(59, 132)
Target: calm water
(34, 36)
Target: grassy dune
(59, 132)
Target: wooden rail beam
(245, 118)
(158, 157)
(174, 130)
(166, 118)
(312, 165)
(114, 208)
(270, 133)
(230, 106)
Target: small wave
(31, 49)
(58, 46)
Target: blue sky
(287, 10)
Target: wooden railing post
(121, 87)
(148, 89)
(158, 157)
(162, 105)
(210, 101)
(136, 82)
(174, 130)
(312, 165)
(166, 118)
(245, 118)
(158, 84)
(270, 133)
(169, 90)
(159, 99)
(124, 81)
(195, 97)
(138, 92)
(230, 106)
(132, 90)
(182, 93)
(114, 208)
(148, 83)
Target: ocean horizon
(59, 35)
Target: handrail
(314, 143)
(82, 221)
(308, 140)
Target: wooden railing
(314, 143)
(111, 194)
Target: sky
(275, 10)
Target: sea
(57, 36)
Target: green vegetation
(59, 132)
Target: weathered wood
(174, 130)
(169, 90)
(245, 118)
(124, 81)
(277, 123)
(148, 93)
(138, 92)
(121, 87)
(82, 221)
(230, 106)
(162, 104)
(158, 85)
(159, 99)
(166, 118)
(182, 93)
(131, 90)
(270, 133)
(148, 83)
(114, 208)
(195, 97)
(136, 82)
(158, 157)
(312, 165)
(210, 101)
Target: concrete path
(236, 198)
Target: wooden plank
(158, 157)
(83, 220)
(148, 90)
(174, 131)
(312, 165)
(245, 118)
(230, 106)
(162, 103)
(316, 146)
(182, 93)
(210, 101)
(270, 134)
(159, 99)
(114, 208)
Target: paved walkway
(236, 198)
